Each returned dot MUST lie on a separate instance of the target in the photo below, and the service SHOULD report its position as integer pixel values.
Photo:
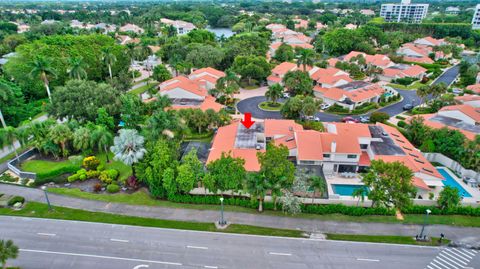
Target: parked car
(325, 106)
(457, 91)
(286, 95)
(350, 120)
(408, 107)
(364, 119)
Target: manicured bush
(101, 167)
(90, 163)
(401, 124)
(113, 188)
(346, 210)
(461, 210)
(16, 199)
(312, 125)
(400, 117)
(93, 174)
(405, 81)
(73, 178)
(109, 175)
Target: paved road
(448, 76)
(65, 244)
(465, 235)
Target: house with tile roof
(275, 45)
(417, 53)
(188, 93)
(132, 28)
(350, 95)
(402, 71)
(182, 27)
(342, 148)
(378, 60)
(279, 72)
(430, 41)
(207, 76)
(474, 88)
(330, 77)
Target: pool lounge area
(450, 181)
(345, 189)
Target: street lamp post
(428, 211)
(44, 188)
(222, 220)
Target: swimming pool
(345, 190)
(450, 181)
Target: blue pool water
(449, 181)
(345, 190)
(387, 94)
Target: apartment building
(404, 12)
(476, 18)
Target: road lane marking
(436, 266)
(211, 267)
(456, 255)
(367, 260)
(280, 254)
(453, 258)
(141, 266)
(445, 261)
(46, 234)
(197, 247)
(98, 256)
(463, 253)
(119, 240)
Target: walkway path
(460, 234)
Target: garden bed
(270, 106)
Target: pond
(227, 32)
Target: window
(307, 162)
(351, 156)
(326, 155)
(363, 146)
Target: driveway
(251, 105)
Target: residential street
(466, 235)
(65, 244)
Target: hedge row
(461, 210)
(54, 174)
(311, 209)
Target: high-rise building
(404, 12)
(476, 18)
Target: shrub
(91, 163)
(82, 177)
(113, 188)
(312, 125)
(405, 81)
(400, 117)
(43, 177)
(108, 175)
(73, 178)
(7, 178)
(93, 174)
(379, 117)
(97, 187)
(101, 167)
(16, 199)
(401, 124)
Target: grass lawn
(391, 239)
(270, 106)
(124, 170)
(39, 210)
(41, 166)
(413, 86)
(144, 88)
(142, 198)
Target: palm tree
(274, 92)
(77, 70)
(60, 135)
(109, 59)
(305, 58)
(103, 138)
(438, 89)
(8, 250)
(228, 85)
(5, 93)
(8, 137)
(42, 67)
(360, 193)
(423, 92)
(82, 139)
(318, 185)
(256, 186)
(128, 147)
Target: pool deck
(337, 180)
(475, 199)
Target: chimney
(334, 146)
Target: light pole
(44, 188)
(428, 211)
(222, 220)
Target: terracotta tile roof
(414, 70)
(274, 79)
(283, 68)
(288, 141)
(364, 93)
(438, 125)
(467, 98)
(327, 72)
(183, 83)
(422, 60)
(281, 127)
(377, 59)
(419, 183)
(475, 88)
(212, 71)
(250, 157)
(344, 143)
(332, 61)
(309, 145)
(364, 159)
(433, 41)
(468, 110)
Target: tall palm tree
(102, 138)
(228, 85)
(60, 135)
(77, 68)
(257, 186)
(109, 59)
(82, 139)
(305, 58)
(128, 147)
(8, 137)
(8, 250)
(42, 67)
(318, 185)
(5, 93)
(274, 92)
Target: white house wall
(179, 93)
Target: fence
(455, 166)
(13, 165)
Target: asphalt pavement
(69, 244)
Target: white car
(457, 91)
(286, 95)
(325, 106)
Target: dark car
(350, 119)
(408, 107)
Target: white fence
(455, 166)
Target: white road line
(98, 256)
(196, 247)
(280, 254)
(211, 267)
(440, 265)
(46, 234)
(119, 240)
(367, 260)
(444, 261)
(450, 260)
(474, 251)
(468, 256)
(469, 251)
(432, 264)
(429, 267)
(453, 257)
(457, 255)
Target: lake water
(227, 32)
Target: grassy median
(39, 210)
(390, 239)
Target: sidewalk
(467, 235)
